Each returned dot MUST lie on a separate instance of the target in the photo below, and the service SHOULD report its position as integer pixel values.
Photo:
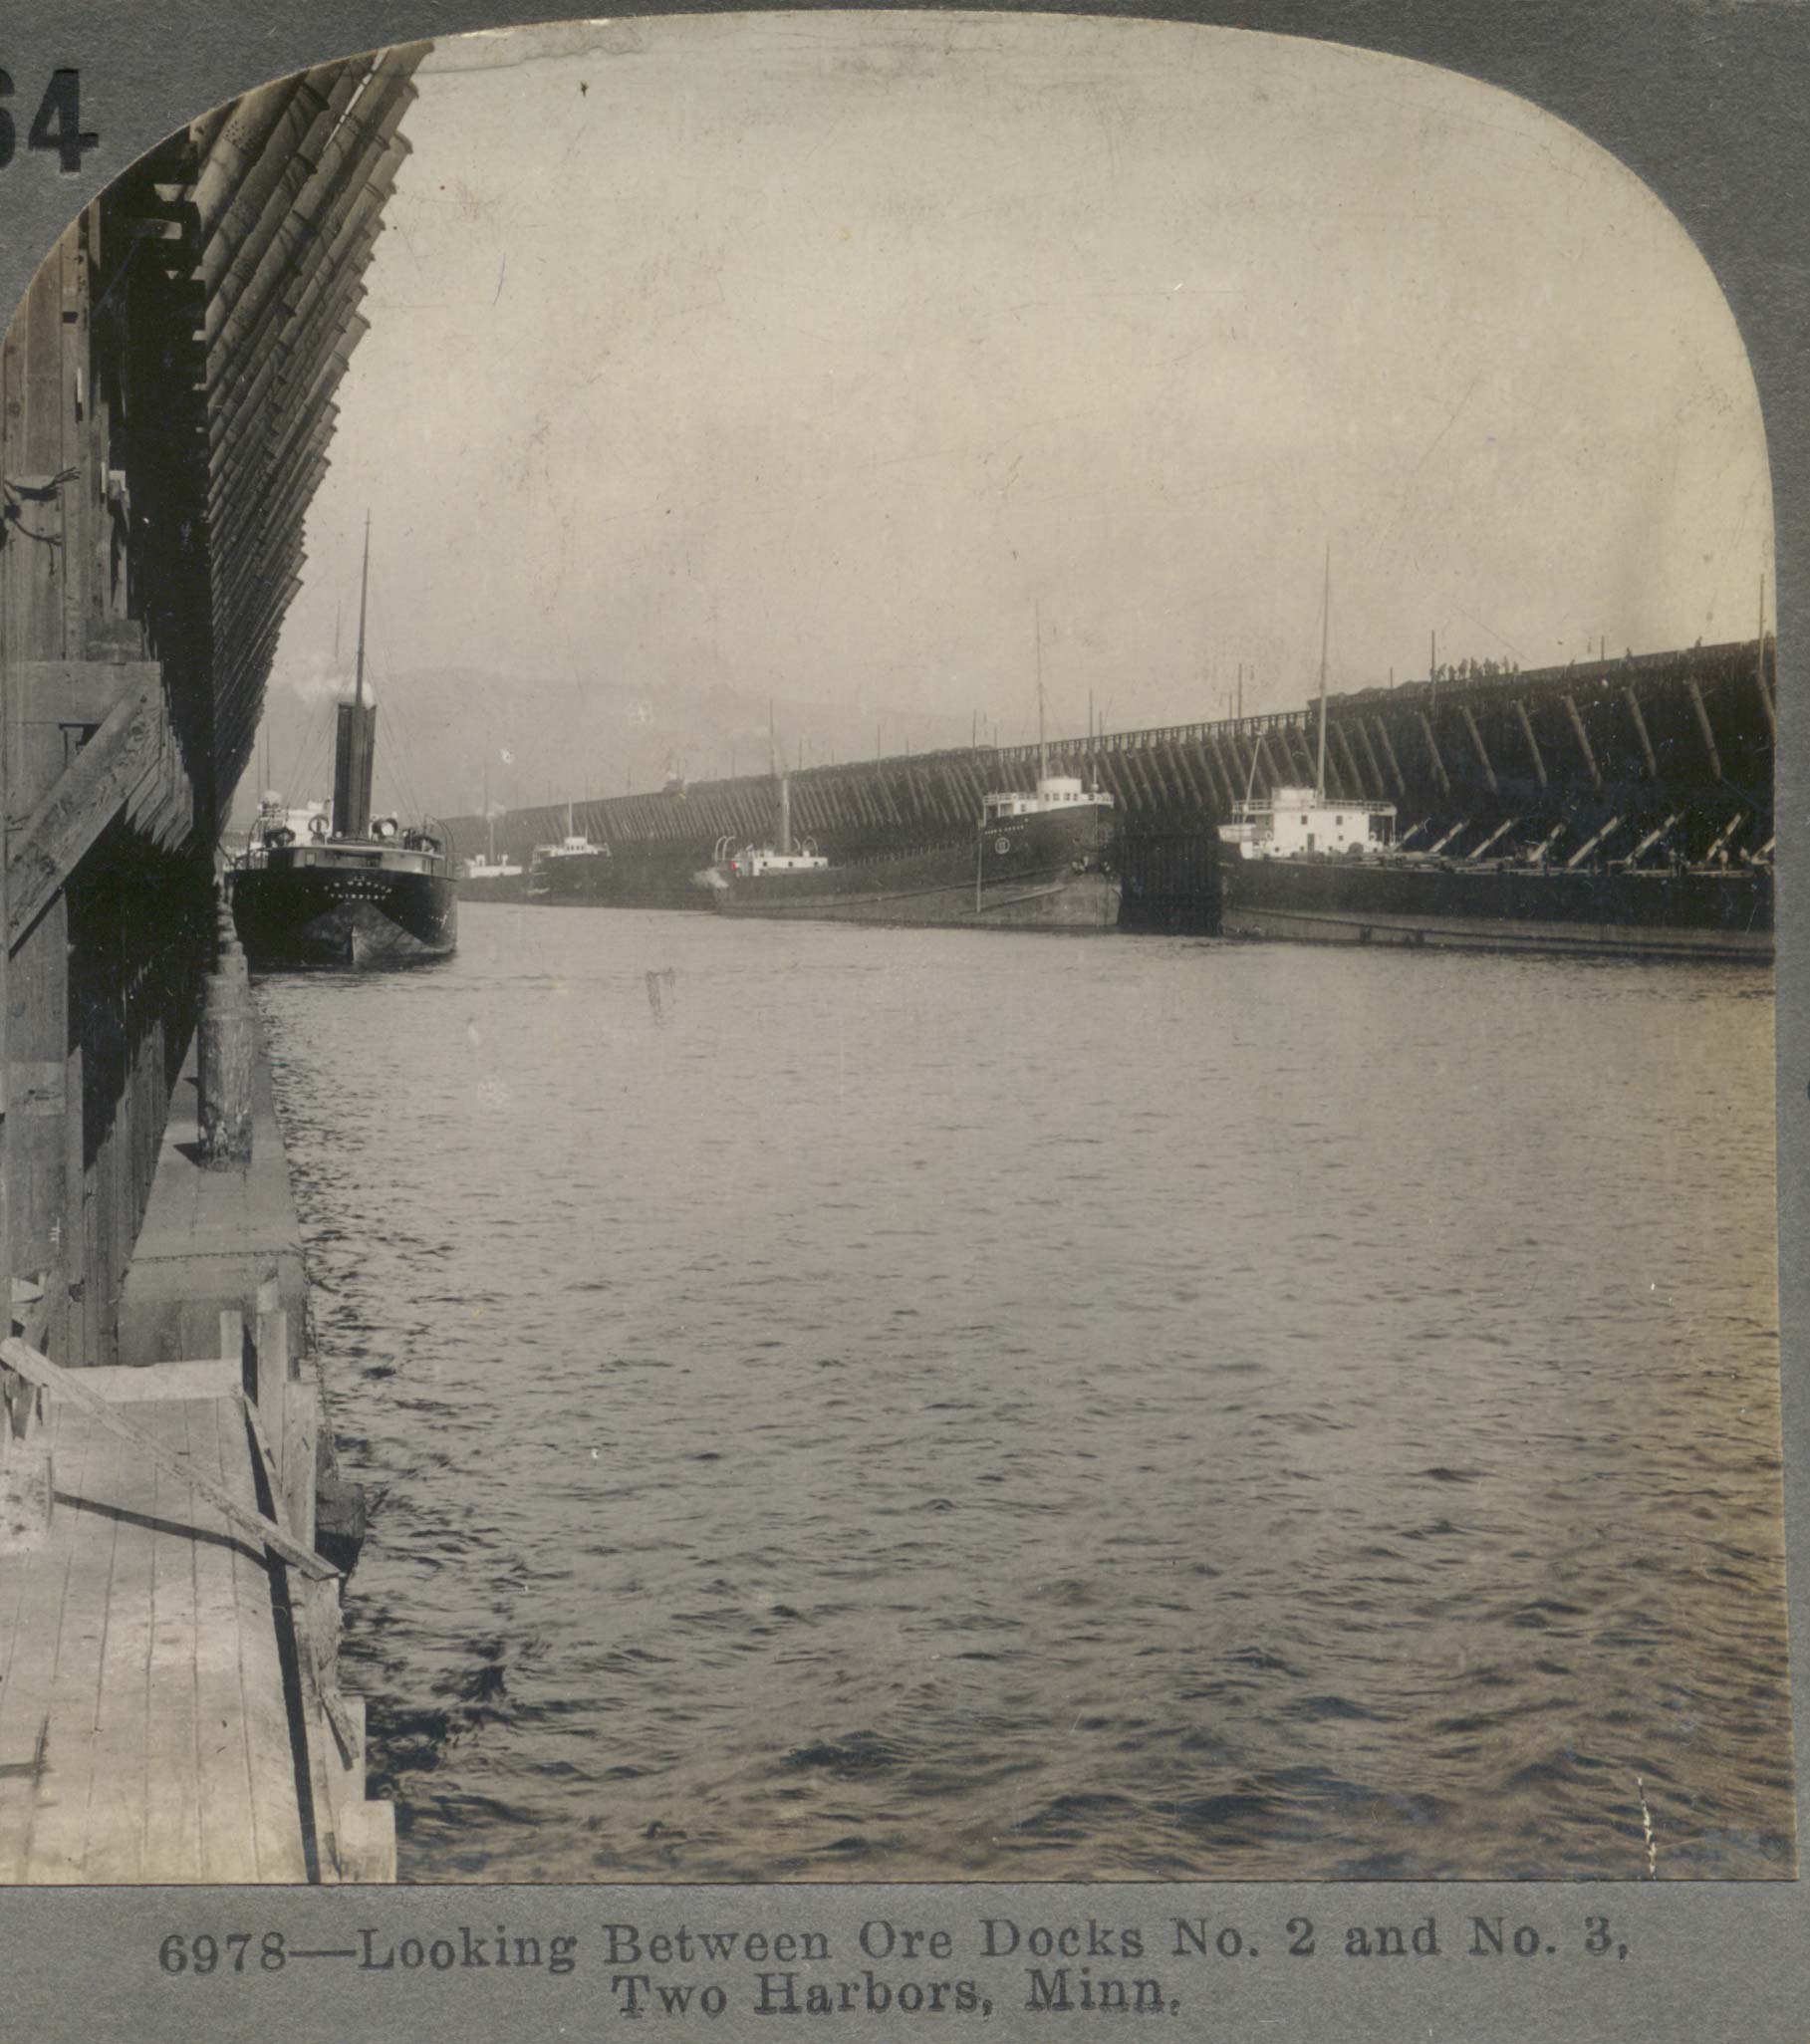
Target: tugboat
(347, 891)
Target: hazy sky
(820, 354)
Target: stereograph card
(1110, 1334)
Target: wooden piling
(226, 1051)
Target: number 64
(56, 125)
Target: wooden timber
(148, 1725)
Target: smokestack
(354, 742)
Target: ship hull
(319, 918)
(621, 879)
(1719, 916)
(494, 888)
(1038, 872)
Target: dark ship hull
(1048, 871)
(493, 887)
(345, 915)
(617, 878)
(1697, 913)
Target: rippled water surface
(871, 1404)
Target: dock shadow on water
(1023, 1410)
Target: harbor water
(869, 1405)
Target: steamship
(345, 889)
(1037, 860)
(1306, 867)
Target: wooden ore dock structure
(173, 1535)
(1596, 759)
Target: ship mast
(1043, 758)
(357, 694)
(354, 724)
(1326, 618)
(776, 760)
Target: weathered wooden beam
(1464, 824)
(1590, 843)
(75, 691)
(1507, 824)
(1583, 738)
(1533, 744)
(1358, 790)
(312, 1621)
(1724, 836)
(1300, 754)
(90, 794)
(1370, 754)
(1761, 686)
(1190, 764)
(1653, 836)
(1703, 724)
(1476, 740)
(1389, 751)
(67, 1384)
(1639, 731)
(1432, 749)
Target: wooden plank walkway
(144, 1727)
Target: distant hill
(439, 726)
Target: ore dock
(1649, 758)
(174, 1537)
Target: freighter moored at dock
(348, 890)
(1036, 861)
(1305, 868)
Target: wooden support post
(1546, 844)
(1590, 843)
(225, 1048)
(1703, 724)
(1476, 741)
(1653, 836)
(1462, 825)
(1356, 789)
(1583, 738)
(1507, 824)
(1432, 752)
(1394, 768)
(1639, 731)
(1300, 753)
(1719, 845)
(1370, 756)
(1533, 744)
(271, 1364)
(1760, 685)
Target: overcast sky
(823, 355)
